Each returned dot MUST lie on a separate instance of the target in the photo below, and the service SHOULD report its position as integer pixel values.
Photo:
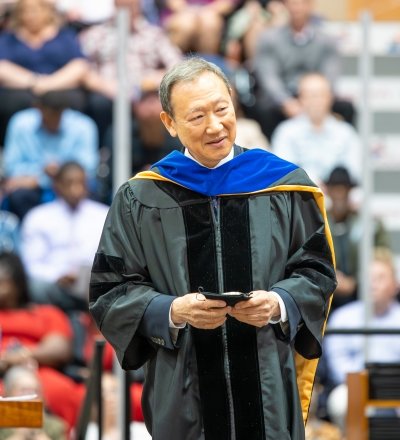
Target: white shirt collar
(224, 160)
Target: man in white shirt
(345, 354)
(316, 140)
(59, 241)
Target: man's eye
(221, 109)
(196, 118)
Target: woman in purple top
(37, 55)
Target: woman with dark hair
(38, 336)
(13, 282)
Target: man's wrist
(174, 320)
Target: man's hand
(198, 311)
(258, 310)
(292, 107)
(346, 284)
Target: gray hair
(186, 71)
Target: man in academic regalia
(216, 218)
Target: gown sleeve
(123, 302)
(309, 277)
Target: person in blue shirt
(38, 140)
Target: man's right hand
(198, 311)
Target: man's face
(72, 186)
(383, 284)
(339, 195)
(204, 118)
(51, 118)
(299, 10)
(315, 97)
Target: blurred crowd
(58, 81)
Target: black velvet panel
(96, 290)
(242, 338)
(182, 196)
(208, 343)
(108, 263)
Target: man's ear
(168, 123)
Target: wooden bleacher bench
(358, 425)
(21, 414)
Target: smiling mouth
(216, 141)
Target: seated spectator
(283, 55)
(346, 229)
(37, 335)
(345, 354)
(37, 55)
(59, 240)
(38, 140)
(315, 139)
(197, 25)
(149, 54)
(22, 381)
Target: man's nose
(214, 124)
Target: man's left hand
(258, 310)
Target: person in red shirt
(39, 336)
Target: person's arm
(35, 248)
(53, 350)
(223, 7)
(16, 77)
(309, 275)
(175, 5)
(19, 156)
(72, 75)
(121, 291)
